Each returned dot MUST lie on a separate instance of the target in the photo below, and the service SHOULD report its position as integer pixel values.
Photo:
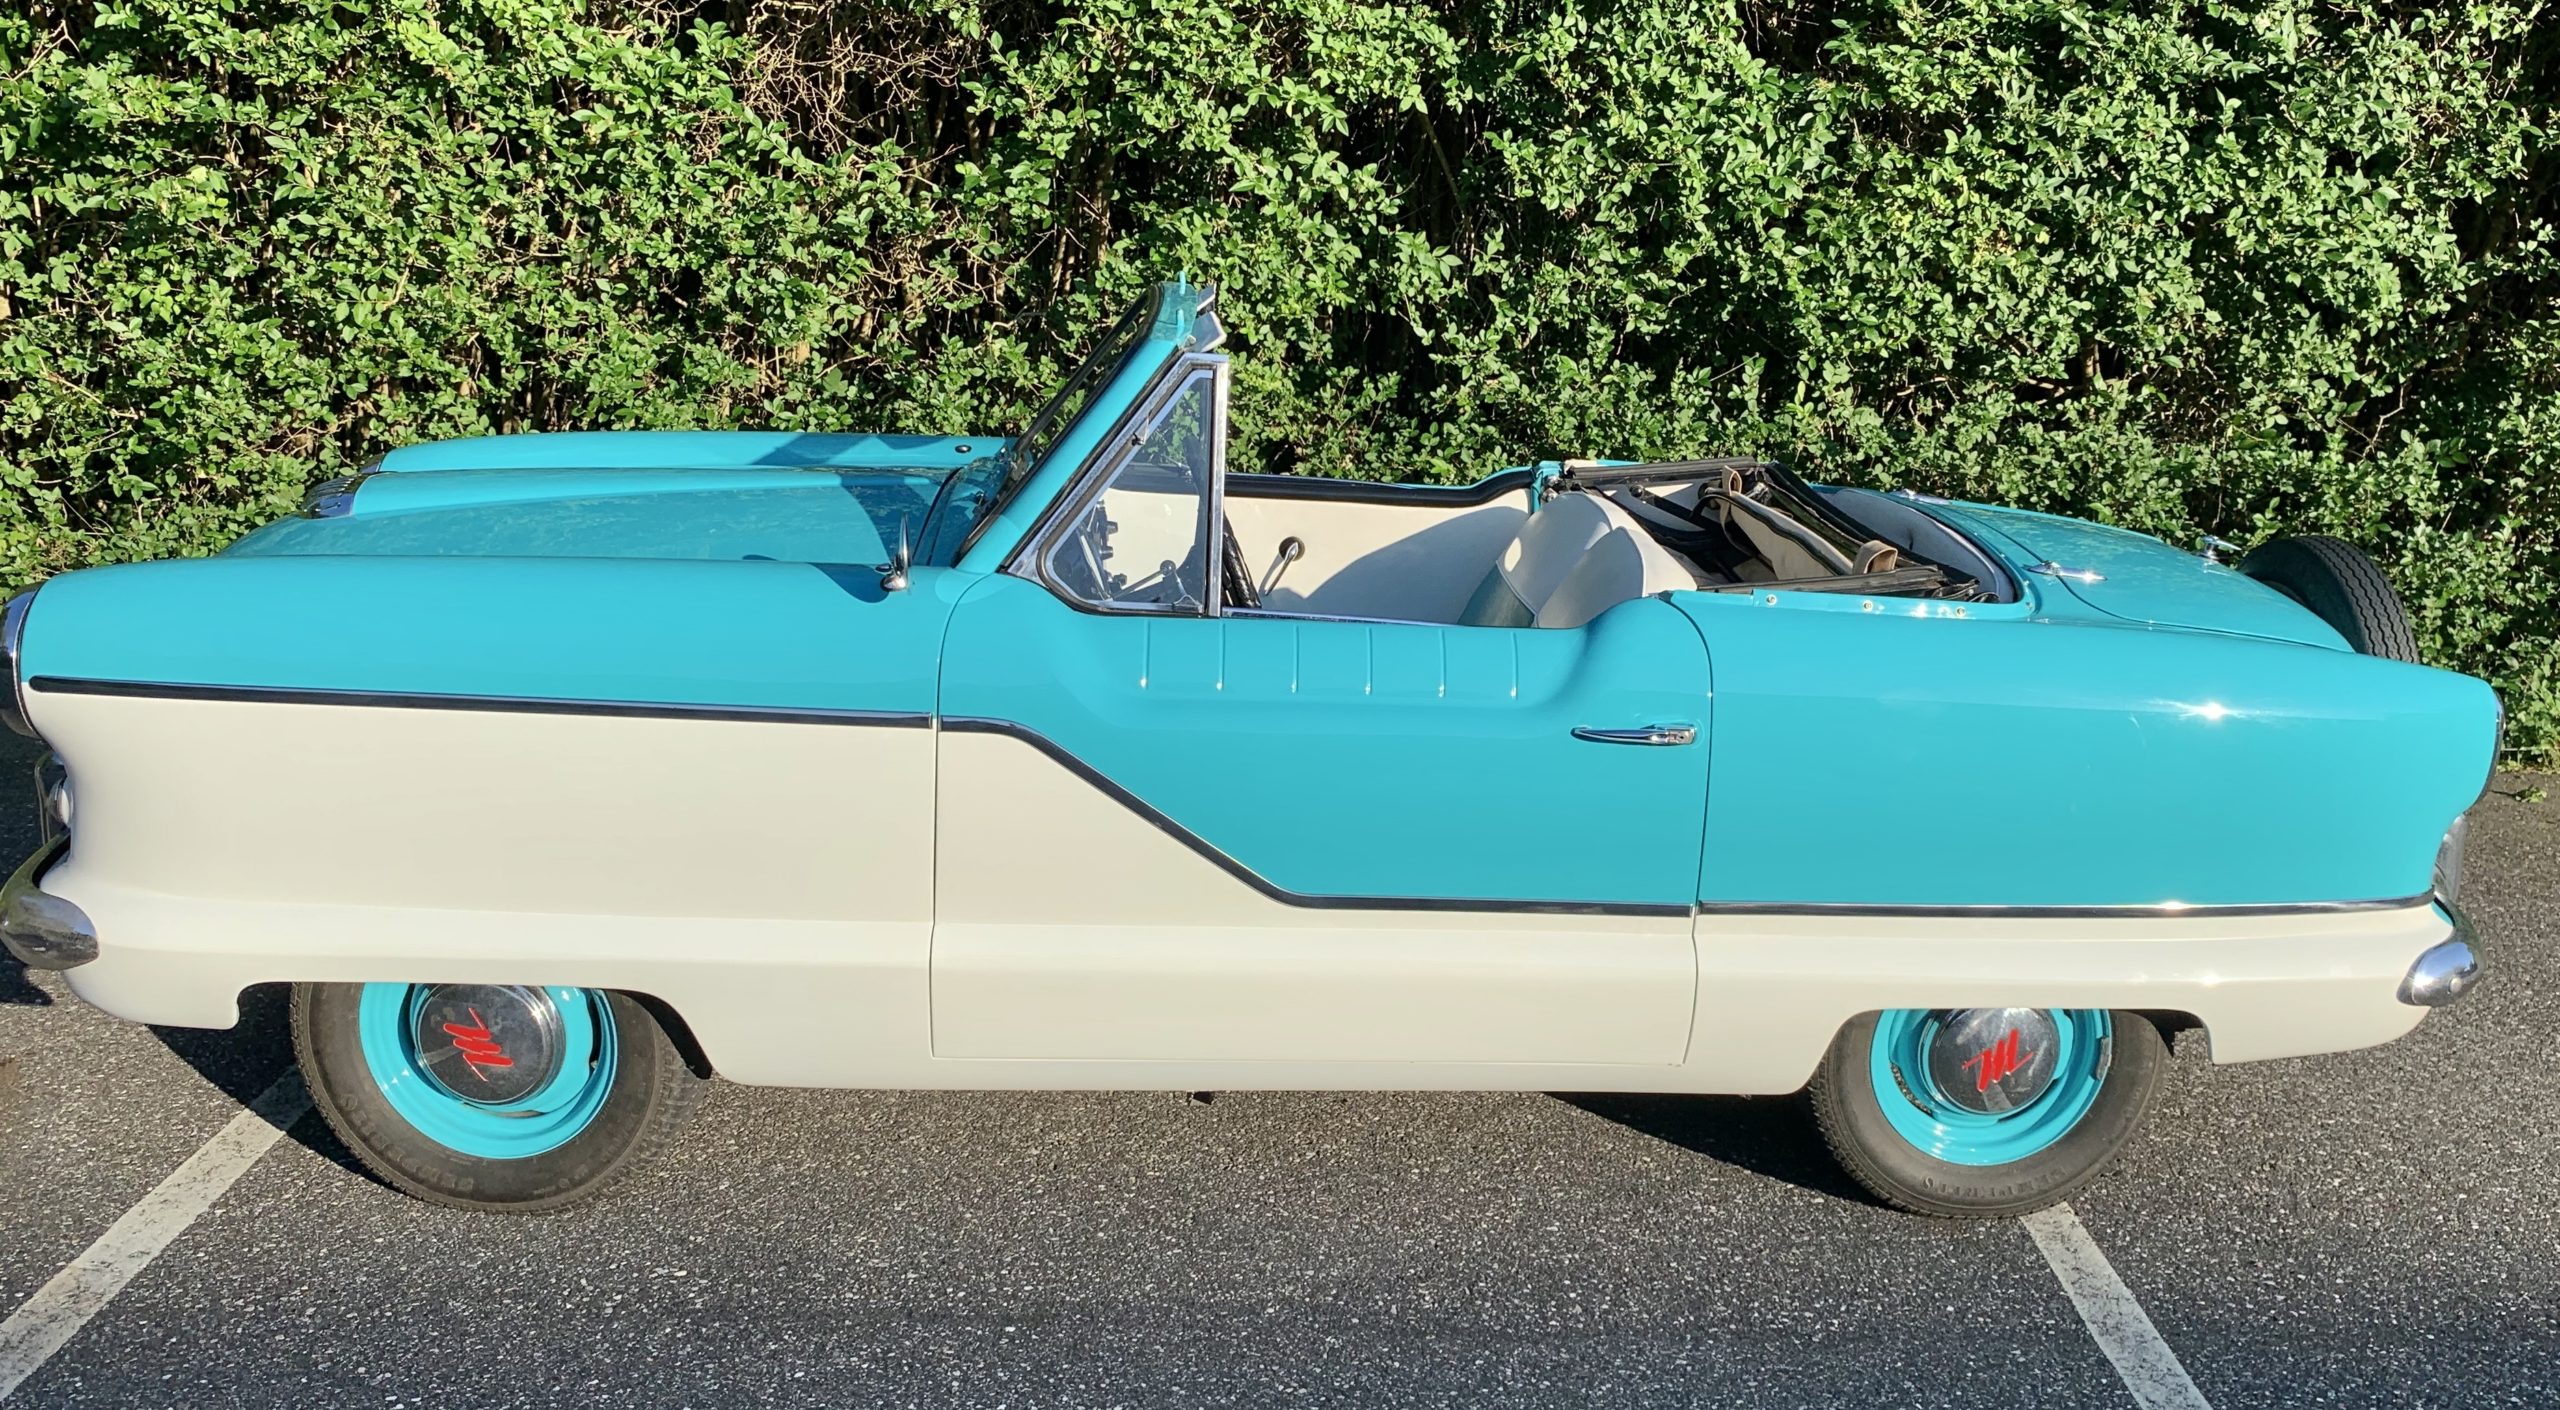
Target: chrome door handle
(1647, 734)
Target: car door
(1168, 832)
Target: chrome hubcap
(1990, 1061)
(491, 1044)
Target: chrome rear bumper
(43, 930)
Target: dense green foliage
(2255, 267)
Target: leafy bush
(2258, 268)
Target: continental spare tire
(2342, 587)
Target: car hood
(667, 495)
(2137, 578)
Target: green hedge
(2258, 268)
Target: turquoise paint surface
(1905, 756)
(805, 516)
(696, 450)
(653, 631)
(1359, 759)
(2141, 579)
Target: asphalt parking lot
(2376, 1228)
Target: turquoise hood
(2137, 578)
(632, 494)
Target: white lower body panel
(813, 1004)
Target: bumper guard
(2448, 969)
(43, 930)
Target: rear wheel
(1975, 1113)
(2342, 587)
(492, 1096)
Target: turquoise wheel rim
(540, 1121)
(1936, 1125)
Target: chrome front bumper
(43, 930)
(2448, 969)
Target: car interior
(1167, 525)
(1596, 536)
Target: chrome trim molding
(1067, 511)
(970, 724)
(13, 692)
(53, 799)
(1208, 330)
(2497, 745)
(2449, 854)
(2448, 969)
(2052, 569)
(500, 704)
(1644, 734)
(2161, 910)
(43, 930)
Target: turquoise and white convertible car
(556, 773)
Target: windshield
(1050, 422)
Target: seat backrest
(1574, 559)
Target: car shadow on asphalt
(1772, 1137)
(244, 1060)
(16, 988)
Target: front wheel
(1977, 1113)
(503, 1097)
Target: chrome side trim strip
(967, 724)
(2162, 910)
(501, 704)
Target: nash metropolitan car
(557, 773)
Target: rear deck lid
(2138, 578)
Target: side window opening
(1147, 541)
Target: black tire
(653, 1092)
(2342, 587)
(1853, 1124)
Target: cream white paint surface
(775, 883)
(1071, 927)
(498, 811)
(717, 865)
(1772, 990)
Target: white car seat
(1577, 557)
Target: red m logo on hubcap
(1998, 1062)
(479, 1050)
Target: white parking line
(2115, 1320)
(65, 1304)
